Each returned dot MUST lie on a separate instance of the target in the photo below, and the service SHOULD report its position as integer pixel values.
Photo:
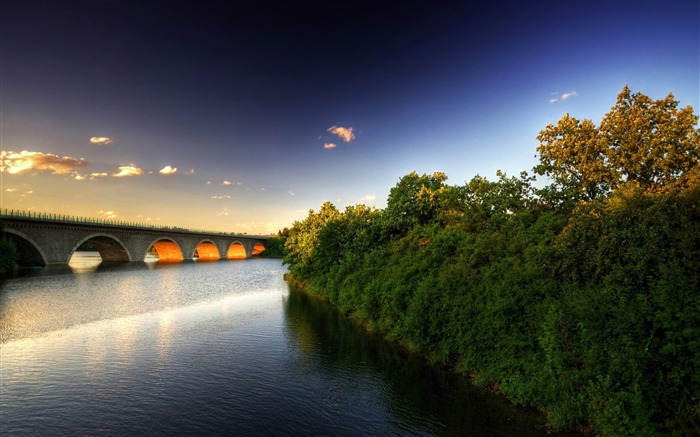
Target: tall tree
(640, 142)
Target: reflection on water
(85, 261)
(421, 398)
(211, 349)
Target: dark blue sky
(246, 92)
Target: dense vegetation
(274, 246)
(8, 254)
(581, 298)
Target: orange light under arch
(258, 249)
(168, 251)
(208, 252)
(236, 251)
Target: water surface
(220, 348)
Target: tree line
(580, 297)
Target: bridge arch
(111, 248)
(207, 251)
(167, 249)
(258, 249)
(236, 250)
(28, 251)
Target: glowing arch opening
(166, 251)
(207, 251)
(258, 249)
(236, 251)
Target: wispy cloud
(190, 171)
(224, 212)
(94, 176)
(10, 190)
(100, 141)
(368, 198)
(343, 132)
(128, 170)
(25, 161)
(226, 183)
(220, 197)
(565, 96)
(329, 146)
(167, 170)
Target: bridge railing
(70, 219)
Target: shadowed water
(221, 348)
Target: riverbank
(430, 358)
(589, 314)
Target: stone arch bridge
(45, 239)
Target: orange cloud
(329, 146)
(343, 132)
(25, 161)
(102, 141)
(128, 170)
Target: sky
(241, 116)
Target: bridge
(46, 239)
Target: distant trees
(274, 246)
(580, 298)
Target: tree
(651, 143)
(572, 154)
(640, 142)
(415, 200)
(303, 238)
(8, 254)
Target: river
(215, 348)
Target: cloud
(25, 161)
(226, 183)
(564, 96)
(291, 193)
(329, 146)
(94, 176)
(190, 171)
(167, 170)
(224, 212)
(109, 214)
(343, 132)
(368, 198)
(10, 190)
(101, 141)
(128, 170)
(220, 197)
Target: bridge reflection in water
(49, 239)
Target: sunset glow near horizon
(241, 117)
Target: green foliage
(580, 298)
(274, 246)
(8, 255)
